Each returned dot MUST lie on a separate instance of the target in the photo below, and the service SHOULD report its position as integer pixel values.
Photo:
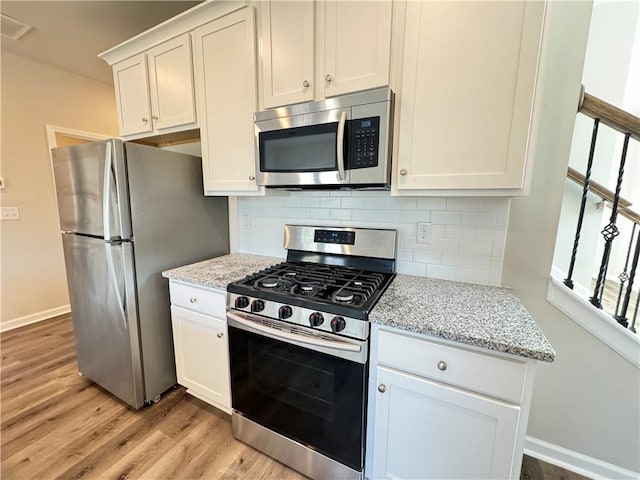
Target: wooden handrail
(610, 115)
(605, 194)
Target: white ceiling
(70, 34)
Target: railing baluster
(610, 232)
(635, 314)
(585, 190)
(624, 276)
(622, 317)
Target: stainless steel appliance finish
(344, 141)
(291, 453)
(128, 212)
(367, 242)
(298, 342)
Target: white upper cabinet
(466, 103)
(171, 83)
(312, 50)
(131, 81)
(226, 74)
(355, 45)
(154, 90)
(287, 52)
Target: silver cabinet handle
(306, 84)
(154, 118)
(219, 334)
(403, 172)
(145, 120)
(251, 178)
(193, 300)
(382, 388)
(442, 365)
(328, 78)
(340, 144)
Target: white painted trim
(575, 462)
(34, 317)
(233, 224)
(595, 321)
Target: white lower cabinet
(201, 345)
(421, 426)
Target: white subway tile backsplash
(457, 260)
(431, 203)
(467, 234)
(441, 271)
(411, 268)
(446, 218)
(427, 256)
(340, 214)
(476, 247)
(351, 202)
(330, 202)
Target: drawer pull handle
(219, 334)
(403, 172)
(382, 388)
(193, 300)
(442, 365)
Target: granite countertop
(478, 315)
(220, 271)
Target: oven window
(300, 149)
(317, 399)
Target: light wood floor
(55, 424)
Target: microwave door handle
(340, 144)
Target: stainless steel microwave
(340, 142)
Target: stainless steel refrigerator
(128, 212)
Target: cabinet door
(202, 355)
(132, 95)
(171, 83)
(427, 430)
(467, 94)
(287, 57)
(225, 71)
(355, 45)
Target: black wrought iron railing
(627, 301)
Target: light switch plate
(9, 213)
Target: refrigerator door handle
(106, 192)
(114, 280)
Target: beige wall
(33, 94)
(587, 400)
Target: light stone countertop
(220, 271)
(477, 315)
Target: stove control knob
(242, 302)
(284, 312)
(338, 324)
(316, 319)
(257, 306)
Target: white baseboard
(34, 317)
(576, 462)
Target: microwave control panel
(365, 134)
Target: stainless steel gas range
(298, 343)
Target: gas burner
(357, 284)
(271, 283)
(307, 288)
(290, 274)
(344, 297)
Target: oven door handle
(278, 334)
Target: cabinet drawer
(486, 374)
(209, 302)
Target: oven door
(303, 150)
(309, 393)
